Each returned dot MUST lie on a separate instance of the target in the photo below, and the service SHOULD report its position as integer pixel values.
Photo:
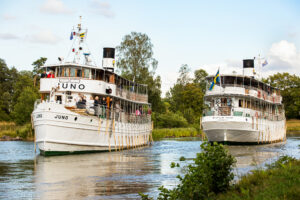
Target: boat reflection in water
(106, 174)
(254, 156)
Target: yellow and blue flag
(216, 80)
(82, 35)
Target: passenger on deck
(44, 74)
(103, 107)
(96, 106)
(90, 106)
(50, 75)
(118, 109)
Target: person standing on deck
(103, 107)
(117, 110)
(96, 106)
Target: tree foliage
(24, 106)
(17, 91)
(8, 78)
(186, 96)
(290, 91)
(136, 63)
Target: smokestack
(108, 61)
(248, 67)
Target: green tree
(8, 78)
(290, 91)
(37, 70)
(24, 106)
(136, 63)
(199, 79)
(24, 80)
(186, 96)
(37, 65)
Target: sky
(202, 34)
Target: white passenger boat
(243, 109)
(68, 120)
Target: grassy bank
(279, 181)
(10, 131)
(293, 126)
(174, 132)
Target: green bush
(280, 180)
(25, 131)
(210, 174)
(174, 132)
(169, 120)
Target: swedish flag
(216, 80)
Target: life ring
(256, 115)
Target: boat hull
(65, 132)
(243, 130)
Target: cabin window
(78, 73)
(59, 72)
(248, 104)
(241, 103)
(72, 72)
(86, 73)
(66, 72)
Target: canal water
(116, 175)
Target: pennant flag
(216, 80)
(265, 63)
(71, 36)
(82, 35)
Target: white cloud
(55, 7)
(8, 17)
(284, 56)
(45, 37)
(8, 36)
(102, 8)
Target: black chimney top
(108, 52)
(248, 63)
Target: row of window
(73, 72)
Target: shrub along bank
(280, 181)
(10, 131)
(175, 132)
(293, 126)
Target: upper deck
(238, 85)
(92, 79)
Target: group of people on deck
(49, 75)
(102, 107)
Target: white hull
(234, 129)
(64, 131)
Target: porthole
(91, 120)
(75, 119)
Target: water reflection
(116, 175)
(91, 175)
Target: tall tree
(136, 63)
(290, 91)
(186, 96)
(24, 105)
(199, 79)
(37, 70)
(8, 78)
(38, 64)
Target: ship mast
(79, 49)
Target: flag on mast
(216, 80)
(265, 63)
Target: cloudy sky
(202, 34)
